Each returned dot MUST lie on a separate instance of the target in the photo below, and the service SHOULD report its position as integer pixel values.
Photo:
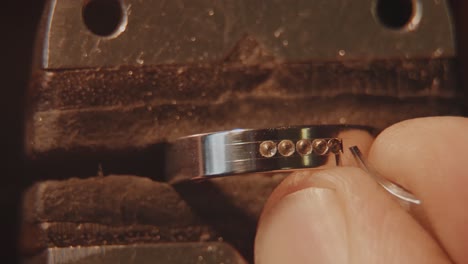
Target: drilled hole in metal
(103, 17)
(395, 14)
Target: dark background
(19, 20)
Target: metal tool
(389, 186)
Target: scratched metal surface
(184, 67)
(180, 253)
(205, 31)
(124, 108)
(121, 210)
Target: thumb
(339, 216)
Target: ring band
(242, 151)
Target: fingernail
(307, 226)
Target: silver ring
(242, 151)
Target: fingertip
(306, 226)
(427, 157)
(332, 215)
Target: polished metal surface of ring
(255, 150)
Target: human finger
(339, 216)
(428, 157)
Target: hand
(343, 216)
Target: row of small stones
(286, 147)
